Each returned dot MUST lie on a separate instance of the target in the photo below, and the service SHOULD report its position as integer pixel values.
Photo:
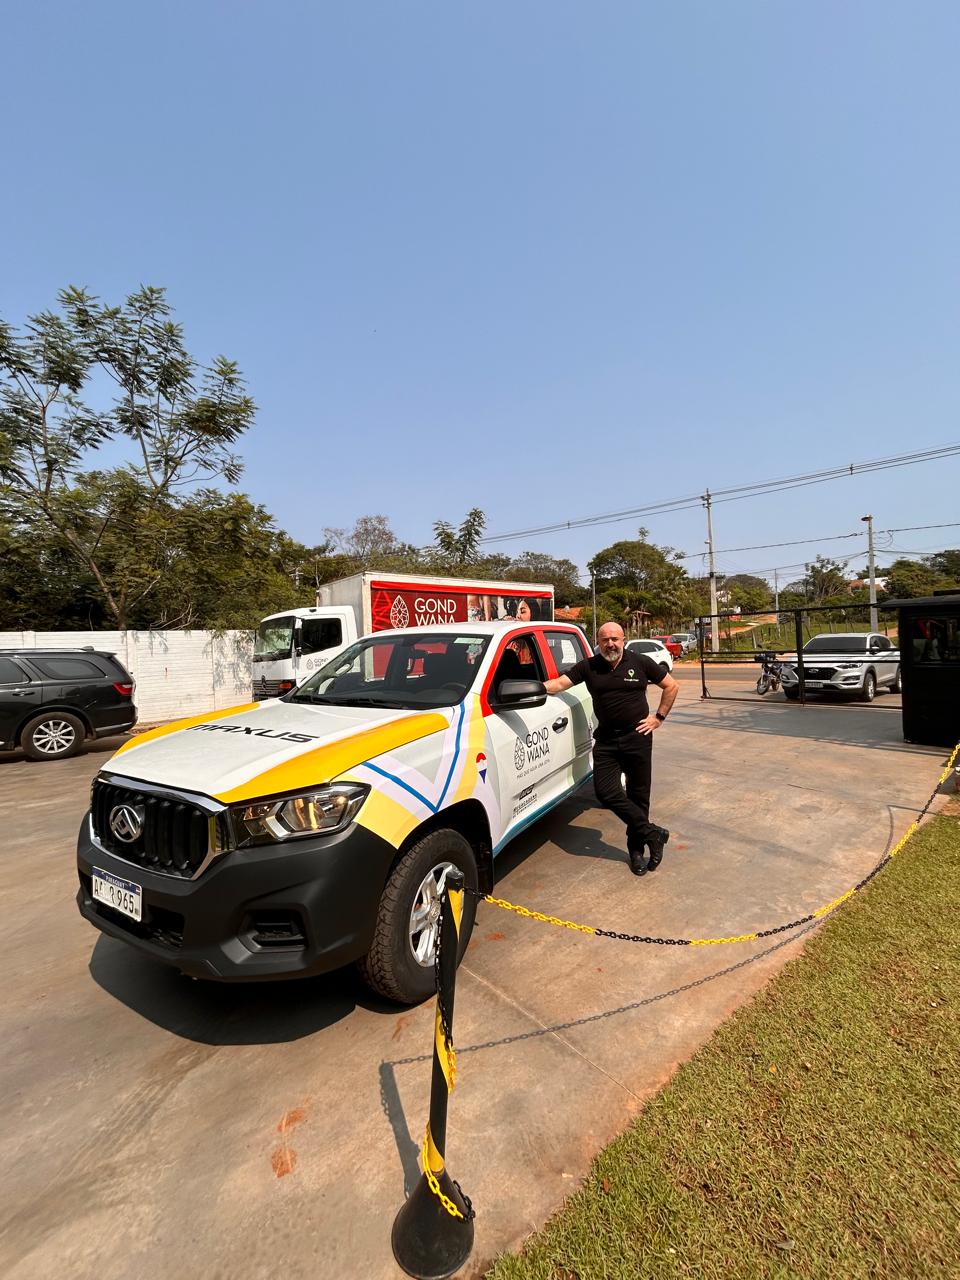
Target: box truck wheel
(399, 964)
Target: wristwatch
(659, 716)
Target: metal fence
(732, 671)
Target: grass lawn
(818, 1133)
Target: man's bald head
(610, 641)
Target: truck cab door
(534, 746)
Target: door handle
(560, 724)
(23, 693)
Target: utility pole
(593, 587)
(868, 521)
(776, 595)
(714, 634)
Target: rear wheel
(869, 689)
(897, 686)
(399, 964)
(55, 735)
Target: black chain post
(433, 1232)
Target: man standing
(623, 742)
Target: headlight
(847, 665)
(320, 812)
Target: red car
(674, 647)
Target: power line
(736, 493)
(833, 537)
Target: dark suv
(53, 699)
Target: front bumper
(216, 926)
(840, 681)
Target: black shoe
(656, 843)
(637, 865)
(635, 854)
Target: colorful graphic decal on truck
(395, 606)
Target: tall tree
(458, 548)
(178, 421)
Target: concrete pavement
(157, 1126)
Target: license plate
(123, 895)
(814, 684)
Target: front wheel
(897, 686)
(763, 684)
(792, 694)
(869, 690)
(665, 669)
(400, 962)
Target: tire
(869, 690)
(792, 694)
(897, 686)
(763, 684)
(390, 967)
(664, 668)
(53, 735)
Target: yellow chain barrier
(432, 1181)
(527, 914)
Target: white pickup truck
(854, 663)
(289, 837)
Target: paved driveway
(156, 1126)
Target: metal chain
(527, 914)
(445, 1026)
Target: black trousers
(628, 754)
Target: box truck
(290, 645)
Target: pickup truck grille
(174, 838)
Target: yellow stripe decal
(325, 763)
(177, 725)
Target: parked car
(295, 835)
(686, 640)
(854, 663)
(673, 646)
(52, 700)
(654, 649)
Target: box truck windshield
(274, 640)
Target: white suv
(653, 649)
(857, 663)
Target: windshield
(836, 644)
(408, 672)
(274, 639)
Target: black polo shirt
(619, 693)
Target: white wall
(178, 673)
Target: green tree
(643, 576)
(911, 578)
(372, 544)
(748, 593)
(177, 420)
(456, 549)
(533, 566)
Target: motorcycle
(770, 679)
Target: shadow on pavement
(842, 726)
(219, 1013)
(409, 1151)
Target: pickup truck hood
(268, 748)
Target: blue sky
(548, 259)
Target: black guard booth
(930, 668)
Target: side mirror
(515, 695)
